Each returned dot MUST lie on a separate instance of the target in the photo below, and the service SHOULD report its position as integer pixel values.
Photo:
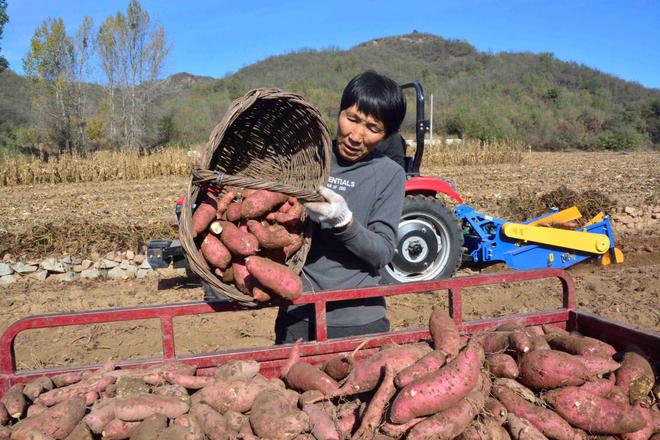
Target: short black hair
(378, 96)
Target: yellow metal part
(597, 219)
(563, 216)
(614, 256)
(577, 240)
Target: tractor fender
(428, 185)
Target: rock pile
(114, 265)
(637, 220)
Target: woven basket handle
(201, 176)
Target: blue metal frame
(486, 242)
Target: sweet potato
(338, 367)
(502, 365)
(150, 428)
(274, 417)
(142, 406)
(154, 375)
(601, 387)
(245, 369)
(396, 430)
(100, 415)
(441, 389)
(593, 413)
(119, 429)
(37, 386)
(233, 212)
(4, 415)
(452, 421)
(521, 429)
(58, 421)
(366, 374)
(551, 369)
(296, 243)
(373, 416)
(487, 430)
(5, 432)
(14, 401)
(275, 277)
(235, 420)
(214, 252)
(321, 422)
(223, 202)
(261, 203)
(269, 236)
(493, 342)
(546, 421)
(520, 341)
(494, 410)
(235, 395)
(189, 382)
(35, 409)
(80, 432)
(444, 333)
(65, 379)
(211, 422)
(597, 365)
(238, 242)
(347, 418)
(289, 220)
(427, 364)
(303, 376)
(583, 345)
(649, 428)
(539, 343)
(29, 434)
(635, 376)
(207, 207)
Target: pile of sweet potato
(513, 383)
(246, 236)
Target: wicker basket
(268, 139)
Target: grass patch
(474, 152)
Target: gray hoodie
(374, 190)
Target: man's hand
(333, 212)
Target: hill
(535, 98)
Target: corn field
(105, 166)
(97, 167)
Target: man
(355, 229)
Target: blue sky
(214, 38)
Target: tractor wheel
(430, 242)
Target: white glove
(334, 212)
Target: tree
(3, 20)
(132, 50)
(57, 64)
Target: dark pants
(288, 329)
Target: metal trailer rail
(272, 358)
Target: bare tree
(132, 50)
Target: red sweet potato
(100, 415)
(150, 428)
(154, 375)
(427, 364)
(493, 342)
(366, 374)
(29, 434)
(275, 277)
(238, 242)
(35, 409)
(119, 429)
(142, 406)
(520, 341)
(245, 369)
(274, 417)
(441, 389)
(37, 386)
(339, 367)
(223, 202)
(321, 421)
(214, 252)
(593, 413)
(373, 416)
(296, 243)
(235, 420)
(601, 387)
(207, 207)
(649, 428)
(522, 429)
(269, 236)
(65, 379)
(289, 220)
(303, 376)
(494, 410)
(212, 423)
(261, 203)
(233, 212)
(543, 419)
(396, 430)
(4, 415)
(347, 418)
(486, 430)
(520, 390)
(58, 421)
(235, 395)
(186, 381)
(444, 333)
(551, 369)
(452, 421)
(5, 432)
(82, 432)
(580, 345)
(502, 365)
(14, 401)
(597, 365)
(635, 376)
(539, 343)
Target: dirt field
(628, 292)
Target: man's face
(357, 134)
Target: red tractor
(430, 235)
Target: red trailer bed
(272, 357)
